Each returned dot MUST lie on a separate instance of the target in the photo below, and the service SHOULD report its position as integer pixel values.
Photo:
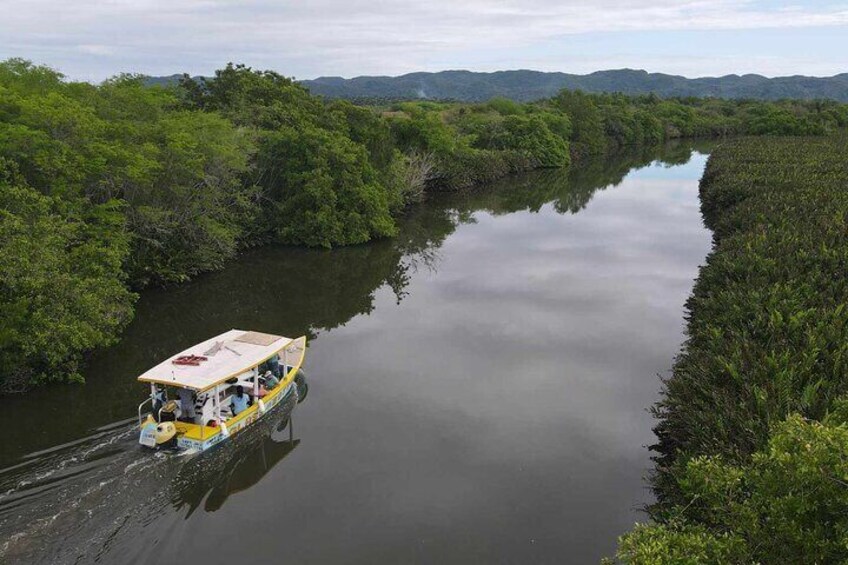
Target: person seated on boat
(274, 365)
(240, 401)
(271, 380)
(187, 401)
(160, 397)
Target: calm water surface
(478, 390)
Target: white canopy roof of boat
(227, 355)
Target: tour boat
(210, 381)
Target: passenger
(240, 401)
(271, 380)
(187, 401)
(274, 365)
(160, 397)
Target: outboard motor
(162, 435)
(166, 435)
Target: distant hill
(165, 81)
(532, 85)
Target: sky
(95, 39)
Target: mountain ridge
(526, 85)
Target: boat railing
(139, 409)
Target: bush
(61, 284)
(529, 135)
(194, 211)
(679, 544)
(788, 504)
(324, 189)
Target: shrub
(324, 189)
(788, 504)
(678, 544)
(61, 284)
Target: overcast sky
(94, 39)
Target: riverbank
(753, 423)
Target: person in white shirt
(187, 400)
(240, 401)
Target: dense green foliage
(527, 86)
(615, 120)
(121, 185)
(171, 182)
(787, 504)
(753, 430)
(176, 170)
(475, 143)
(319, 182)
(58, 285)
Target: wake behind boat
(219, 387)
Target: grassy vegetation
(753, 423)
(113, 187)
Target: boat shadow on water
(209, 479)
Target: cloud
(95, 49)
(94, 39)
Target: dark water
(478, 390)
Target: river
(479, 389)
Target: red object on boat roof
(189, 360)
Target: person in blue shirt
(240, 401)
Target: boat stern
(157, 435)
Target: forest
(107, 189)
(753, 423)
